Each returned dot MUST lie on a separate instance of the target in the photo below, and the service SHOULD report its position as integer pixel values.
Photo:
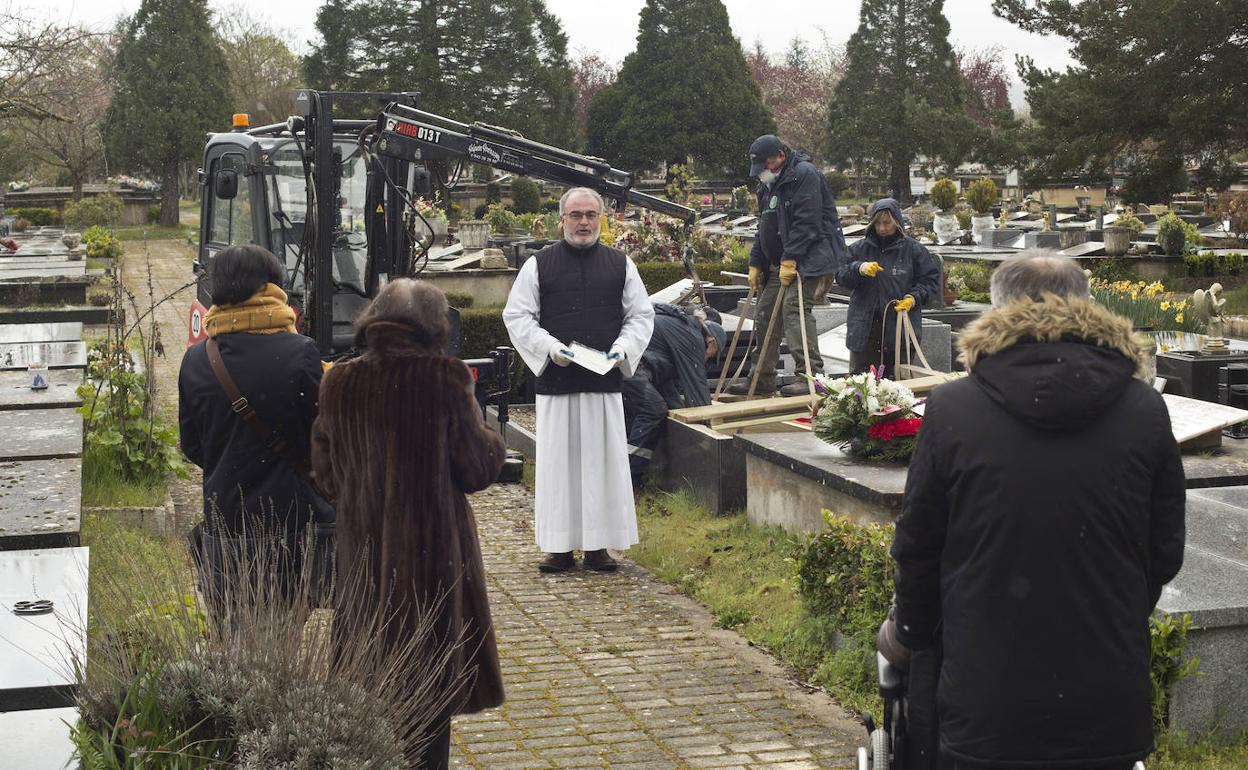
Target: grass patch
(743, 574)
(103, 486)
(154, 232)
(128, 556)
(1180, 752)
(1236, 301)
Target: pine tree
(685, 92)
(902, 94)
(498, 61)
(172, 87)
(1155, 85)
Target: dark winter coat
(676, 358)
(908, 269)
(399, 442)
(1044, 511)
(806, 220)
(280, 375)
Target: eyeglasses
(576, 216)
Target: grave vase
(474, 234)
(980, 223)
(945, 225)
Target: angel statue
(1208, 307)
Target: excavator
(334, 199)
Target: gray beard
(568, 239)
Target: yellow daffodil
(1178, 318)
(1165, 305)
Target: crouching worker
(399, 442)
(247, 397)
(672, 375)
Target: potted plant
(944, 194)
(1121, 232)
(982, 195)
(434, 225)
(1173, 235)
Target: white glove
(560, 354)
(617, 355)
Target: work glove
(905, 304)
(870, 269)
(560, 354)
(756, 278)
(616, 355)
(788, 271)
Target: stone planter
(438, 225)
(945, 225)
(474, 234)
(1117, 240)
(1072, 236)
(980, 223)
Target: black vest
(582, 300)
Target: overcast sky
(609, 27)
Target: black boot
(600, 561)
(557, 562)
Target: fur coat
(398, 443)
(1044, 511)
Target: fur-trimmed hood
(1055, 363)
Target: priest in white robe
(578, 290)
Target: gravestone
(45, 332)
(57, 355)
(39, 739)
(62, 390)
(1195, 375)
(1047, 239)
(40, 503)
(39, 434)
(36, 667)
(1212, 588)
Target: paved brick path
(602, 671)
(619, 671)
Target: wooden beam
(728, 425)
(741, 409)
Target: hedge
(481, 330)
(660, 275)
(38, 217)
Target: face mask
(766, 177)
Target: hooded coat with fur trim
(398, 443)
(1044, 511)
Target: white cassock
(584, 498)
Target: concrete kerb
(155, 520)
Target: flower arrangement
(429, 209)
(867, 416)
(661, 239)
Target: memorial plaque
(57, 355)
(1191, 417)
(40, 503)
(40, 434)
(48, 332)
(36, 666)
(62, 390)
(38, 740)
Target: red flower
(887, 431)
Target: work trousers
(814, 290)
(644, 414)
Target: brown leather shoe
(557, 562)
(600, 561)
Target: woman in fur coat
(398, 443)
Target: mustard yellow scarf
(265, 312)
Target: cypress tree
(902, 94)
(172, 87)
(685, 92)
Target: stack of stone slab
(40, 508)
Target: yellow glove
(788, 271)
(870, 269)
(756, 278)
(905, 304)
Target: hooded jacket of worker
(807, 228)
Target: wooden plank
(926, 384)
(729, 425)
(741, 409)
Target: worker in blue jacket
(888, 273)
(799, 233)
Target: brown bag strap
(271, 439)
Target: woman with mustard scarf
(250, 489)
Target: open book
(591, 358)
